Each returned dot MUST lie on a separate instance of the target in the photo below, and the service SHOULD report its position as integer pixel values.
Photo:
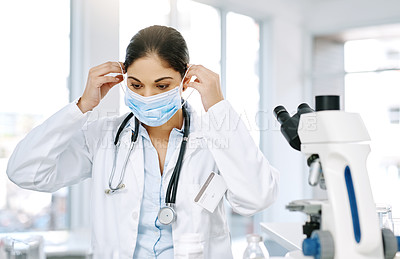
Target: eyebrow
(134, 78)
(156, 81)
(162, 78)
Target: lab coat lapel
(127, 201)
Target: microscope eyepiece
(304, 108)
(281, 114)
(290, 124)
(327, 102)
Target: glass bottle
(385, 215)
(255, 248)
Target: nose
(147, 92)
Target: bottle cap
(254, 238)
(383, 208)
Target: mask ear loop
(123, 79)
(184, 101)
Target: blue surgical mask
(154, 110)
(157, 109)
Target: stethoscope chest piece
(167, 214)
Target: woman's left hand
(207, 83)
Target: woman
(126, 218)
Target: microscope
(346, 225)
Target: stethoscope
(167, 214)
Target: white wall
(326, 17)
(345, 18)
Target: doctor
(135, 163)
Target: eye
(136, 86)
(162, 87)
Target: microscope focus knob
(390, 243)
(310, 246)
(398, 243)
(320, 245)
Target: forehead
(151, 67)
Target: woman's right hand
(98, 84)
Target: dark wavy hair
(166, 42)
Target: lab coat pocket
(209, 224)
(188, 212)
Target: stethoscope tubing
(173, 183)
(120, 185)
(117, 143)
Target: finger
(107, 79)
(119, 77)
(106, 68)
(200, 68)
(114, 67)
(190, 68)
(198, 71)
(194, 85)
(110, 85)
(121, 66)
(102, 66)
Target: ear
(185, 82)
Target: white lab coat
(67, 148)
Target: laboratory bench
(281, 239)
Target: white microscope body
(334, 143)
(352, 220)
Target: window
(242, 88)
(203, 37)
(242, 62)
(373, 73)
(35, 66)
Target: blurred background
(266, 52)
